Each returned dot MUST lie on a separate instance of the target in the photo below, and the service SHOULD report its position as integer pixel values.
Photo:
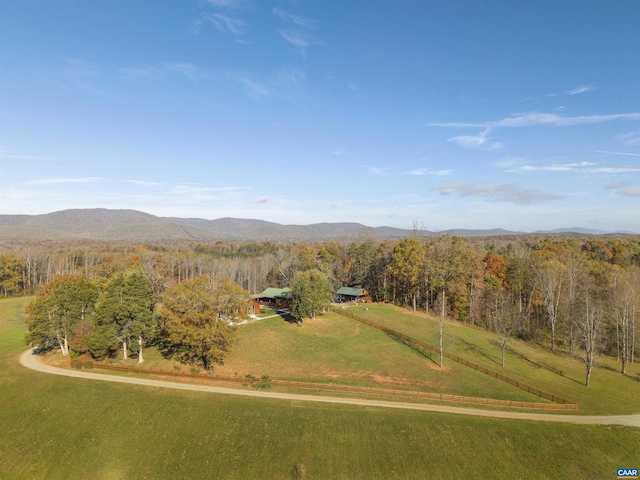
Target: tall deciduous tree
(406, 267)
(194, 331)
(551, 276)
(590, 323)
(445, 259)
(498, 308)
(311, 293)
(61, 305)
(625, 306)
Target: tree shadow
(428, 354)
(632, 377)
(475, 349)
(542, 365)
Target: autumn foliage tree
(194, 330)
(61, 305)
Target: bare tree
(551, 276)
(589, 325)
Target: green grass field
(610, 392)
(57, 427)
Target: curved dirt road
(32, 361)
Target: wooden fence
(413, 341)
(268, 383)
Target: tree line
(191, 321)
(579, 294)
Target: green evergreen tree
(127, 306)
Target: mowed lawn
(63, 428)
(610, 392)
(335, 349)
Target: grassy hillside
(335, 349)
(610, 392)
(63, 428)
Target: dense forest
(575, 293)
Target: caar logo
(627, 473)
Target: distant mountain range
(132, 225)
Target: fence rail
(413, 341)
(258, 382)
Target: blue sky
(522, 115)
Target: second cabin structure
(351, 294)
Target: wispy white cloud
(189, 70)
(56, 181)
(533, 119)
(581, 167)
(286, 16)
(566, 167)
(225, 23)
(191, 189)
(338, 152)
(614, 170)
(551, 119)
(630, 138)
(142, 74)
(574, 91)
(352, 86)
(10, 156)
(476, 141)
(296, 39)
(508, 162)
(252, 87)
(288, 78)
(376, 171)
(626, 154)
(144, 183)
(425, 171)
(497, 193)
(582, 89)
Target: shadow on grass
(542, 365)
(630, 376)
(428, 354)
(475, 349)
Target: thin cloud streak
(144, 183)
(476, 141)
(57, 181)
(583, 167)
(296, 39)
(290, 17)
(579, 90)
(497, 193)
(225, 24)
(619, 153)
(536, 118)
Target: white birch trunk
(140, 359)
